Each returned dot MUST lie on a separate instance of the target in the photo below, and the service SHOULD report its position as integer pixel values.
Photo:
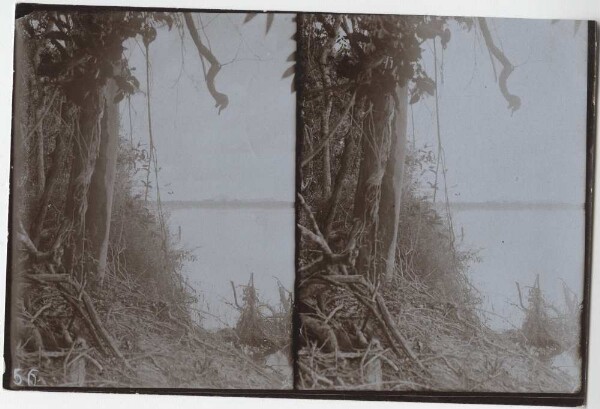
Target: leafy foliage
(80, 51)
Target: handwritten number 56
(30, 380)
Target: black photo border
(533, 399)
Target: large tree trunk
(100, 196)
(90, 193)
(391, 189)
(376, 143)
(378, 192)
(327, 51)
(85, 152)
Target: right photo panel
(441, 204)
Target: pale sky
(246, 152)
(538, 153)
(535, 154)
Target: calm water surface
(513, 245)
(229, 245)
(516, 245)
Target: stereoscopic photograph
(313, 204)
(152, 210)
(441, 203)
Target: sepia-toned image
(152, 239)
(442, 170)
(302, 205)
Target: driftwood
(76, 305)
(94, 319)
(359, 286)
(62, 281)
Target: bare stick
(520, 296)
(235, 296)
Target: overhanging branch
(221, 100)
(514, 102)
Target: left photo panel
(152, 226)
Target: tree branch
(514, 102)
(326, 138)
(89, 306)
(326, 112)
(221, 100)
(237, 305)
(339, 183)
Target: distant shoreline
(279, 204)
(495, 206)
(226, 204)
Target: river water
(512, 245)
(516, 246)
(229, 245)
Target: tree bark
(328, 101)
(391, 190)
(336, 195)
(85, 152)
(376, 144)
(58, 156)
(100, 197)
(379, 189)
(38, 134)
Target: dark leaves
(119, 97)
(430, 29)
(270, 18)
(414, 98)
(425, 84)
(249, 16)
(149, 35)
(466, 23)
(127, 84)
(114, 51)
(48, 66)
(164, 18)
(56, 35)
(135, 82)
(290, 71)
(446, 38)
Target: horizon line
(464, 205)
(228, 203)
(514, 205)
